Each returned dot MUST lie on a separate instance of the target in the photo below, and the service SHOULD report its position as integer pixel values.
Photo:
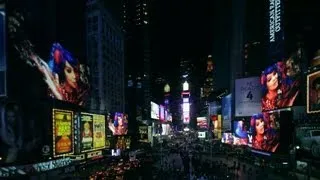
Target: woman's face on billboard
(260, 126)
(272, 81)
(71, 75)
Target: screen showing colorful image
(227, 138)
(86, 129)
(281, 84)
(122, 142)
(166, 128)
(155, 111)
(313, 92)
(202, 123)
(99, 132)
(119, 126)
(162, 113)
(50, 50)
(265, 131)
(241, 132)
(62, 132)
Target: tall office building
(105, 49)
(137, 56)
(209, 85)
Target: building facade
(105, 51)
(135, 15)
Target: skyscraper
(137, 51)
(105, 49)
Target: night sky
(180, 29)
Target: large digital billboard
(247, 96)
(313, 92)
(281, 84)
(119, 125)
(241, 132)
(49, 50)
(155, 111)
(62, 132)
(92, 132)
(265, 132)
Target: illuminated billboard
(119, 125)
(52, 57)
(143, 134)
(313, 92)
(241, 132)
(281, 84)
(265, 131)
(62, 132)
(162, 113)
(155, 110)
(186, 113)
(202, 123)
(92, 132)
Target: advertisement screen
(281, 85)
(265, 131)
(119, 125)
(122, 142)
(143, 133)
(155, 111)
(226, 112)
(50, 50)
(227, 138)
(241, 132)
(202, 123)
(162, 113)
(313, 92)
(247, 96)
(62, 132)
(92, 128)
(165, 129)
(308, 139)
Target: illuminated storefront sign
(62, 132)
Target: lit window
(146, 22)
(145, 13)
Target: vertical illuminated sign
(62, 132)
(86, 130)
(276, 36)
(2, 50)
(99, 126)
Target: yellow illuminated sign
(62, 132)
(98, 123)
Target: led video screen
(202, 123)
(122, 142)
(119, 125)
(308, 139)
(92, 128)
(281, 84)
(162, 113)
(313, 92)
(227, 138)
(62, 132)
(265, 131)
(241, 132)
(155, 111)
(49, 50)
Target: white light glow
(185, 86)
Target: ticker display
(62, 132)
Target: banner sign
(247, 96)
